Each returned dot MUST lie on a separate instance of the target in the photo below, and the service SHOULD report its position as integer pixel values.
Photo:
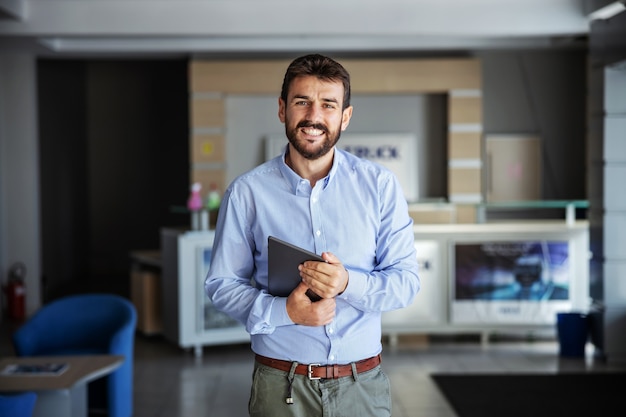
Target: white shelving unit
(190, 320)
(508, 308)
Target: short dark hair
(318, 66)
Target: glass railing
(201, 219)
(569, 207)
(439, 210)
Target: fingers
(327, 279)
(330, 258)
(303, 311)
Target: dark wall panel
(119, 130)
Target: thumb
(301, 289)
(330, 258)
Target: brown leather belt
(317, 371)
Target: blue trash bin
(573, 333)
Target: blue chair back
(17, 405)
(78, 324)
(87, 324)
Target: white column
(19, 172)
(614, 241)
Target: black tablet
(283, 260)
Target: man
(316, 358)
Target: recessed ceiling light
(608, 11)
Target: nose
(314, 113)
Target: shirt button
(332, 357)
(314, 200)
(330, 330)
(317, 232)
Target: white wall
(615, 211)
(19, 173)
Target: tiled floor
(173, 382)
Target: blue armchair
(87, 324)
(18, 405)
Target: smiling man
(323, 357)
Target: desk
(63, 395)
(145, 289)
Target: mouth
(309, 131)
(313, 131)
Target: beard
(332, 137)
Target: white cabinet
(483, 293)
(476, 278)
(189, 318)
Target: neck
(312, 170)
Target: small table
(63, 395)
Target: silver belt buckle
(310, 371)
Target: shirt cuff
(356, 286)
(279, 316)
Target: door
(513, 168)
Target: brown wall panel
(207, 113)
(433, 216)
(465, 110)
(465, 213)
(464, 145)
(367, 76)
(246, 77)
(208, 148)
(464, 180)
(206, 177)
(413, 75)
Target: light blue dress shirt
(358, 212)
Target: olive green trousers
(276, 393)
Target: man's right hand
(303, 311)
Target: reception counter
(476, 278)
(496, 277)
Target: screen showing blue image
(518, 270)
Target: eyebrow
(325, 100)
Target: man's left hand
(326, 279)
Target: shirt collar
(295, 179)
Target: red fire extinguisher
(15, 291)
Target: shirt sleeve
(394, 282)
(229, 280)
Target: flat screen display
(529, 270)
(523, 282)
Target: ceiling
(130, 27)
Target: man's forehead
(306, 85)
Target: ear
(281, 110)
(345, 118)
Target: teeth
(313, 132)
